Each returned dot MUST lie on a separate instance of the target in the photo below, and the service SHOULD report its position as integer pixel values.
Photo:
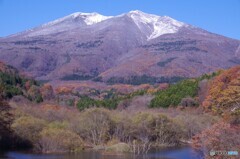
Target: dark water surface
(176, 153)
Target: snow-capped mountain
(130, 44)
(152, 26)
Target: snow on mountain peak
(89, 18)
(158, 25)
(152, 26)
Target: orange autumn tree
(224, 92)
(220, 137)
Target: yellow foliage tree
(224, 92)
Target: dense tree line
(175, 93)
(143, 79)
(110, 101)
(180, 93)
(14, 84)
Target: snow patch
(93, 18)
(89, 18)
(158, 25)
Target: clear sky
(218, 16)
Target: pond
(176, 153)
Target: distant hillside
(132, 48)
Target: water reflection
(180, 153)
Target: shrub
(121, 126)
(59, 140)
(95, 125)
(188, 102)
(11, 91)
(28, 128)
(70, 102)
(58, 125)
(66, 100)
(168, 131)
(143, 125)
(148, 129)
(194, 124)
(34, 94)
(38, 98)
(47, 92)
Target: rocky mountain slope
(85, 46)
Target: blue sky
(218, 16)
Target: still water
(176, 153)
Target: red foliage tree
(220, 137)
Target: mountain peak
(136, 12)
(91, 18)
(158, 25)
(88, 18)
